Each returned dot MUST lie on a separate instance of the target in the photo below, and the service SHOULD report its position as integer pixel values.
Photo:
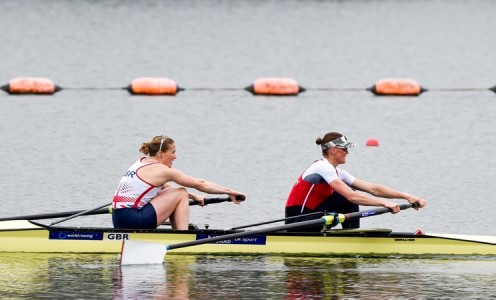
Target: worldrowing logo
(71, 235)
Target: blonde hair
(158, 143)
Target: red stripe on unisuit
(135, 205)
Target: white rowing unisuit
(133, 191)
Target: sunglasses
(344, 149)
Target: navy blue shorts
(135, 218)
(334, 203)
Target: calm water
(245, 277)
(67, 151)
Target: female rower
(324, 187)
(144, 199)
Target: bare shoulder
(154, 170)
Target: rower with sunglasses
(144, 198)
(323, 187)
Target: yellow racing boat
(31, 236)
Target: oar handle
(217, 200)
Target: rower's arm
(360, 198)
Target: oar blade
(141, 253)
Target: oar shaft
(207, 201)
(308, 223)
(325, 220)
(347, 216)
(278, 220)
(84, 212)
(373, 212)
(55, 215)
(100, 210)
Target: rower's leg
(293, 211)
(339, 204)
(172, 203)
(180, 217)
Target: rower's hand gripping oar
(217, 200)
(132, 251)
(191, 202)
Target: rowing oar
(278, 220)
(55, 215)
(84, 212)
(132, 251)
(207, 201)
(100, 210)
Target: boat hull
(25, 236)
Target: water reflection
(35, 275)
(97, 276)
(172, 280)
(335, 278)
(139, 282)
(310, 278)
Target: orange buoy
(153, 86)
(275, 86)
(372, 142)
(397, 87)
(30, 85)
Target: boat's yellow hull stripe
(35, 240)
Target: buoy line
(268, 86)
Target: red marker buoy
(372, 142)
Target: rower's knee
(181, 195)
(182, 192)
